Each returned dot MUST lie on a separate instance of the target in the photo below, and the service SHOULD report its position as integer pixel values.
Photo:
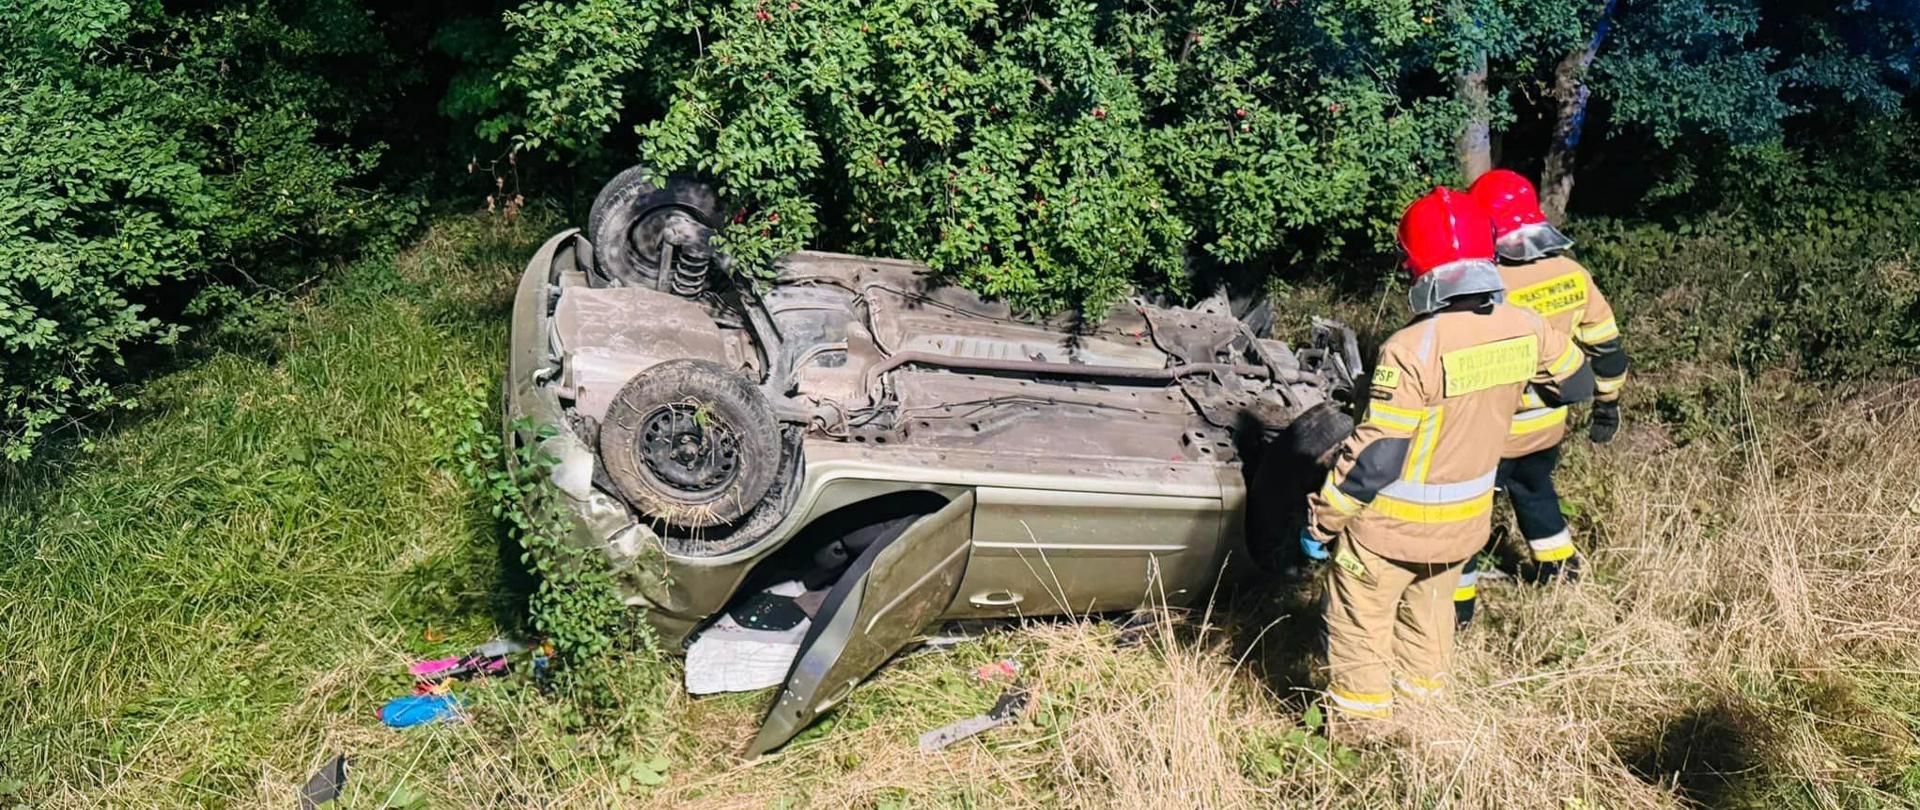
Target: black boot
(1463, 612)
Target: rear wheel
(629, 216)
(1291, 466)
(1318, 432)
(691, 444)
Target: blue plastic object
(1314, 549)
(413, 710)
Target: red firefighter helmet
(1509, 199)
(1521, 231)
(1445, 227)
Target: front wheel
(690, 444)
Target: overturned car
(865, 453)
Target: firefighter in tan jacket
(1539, 276)
(1410, 494)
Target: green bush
(150, 157)
(1052, 154)
(1830, 289)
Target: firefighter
(1539, 276)
(1410, 494)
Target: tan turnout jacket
(1415, 480)
(1563, 293)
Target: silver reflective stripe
(1411, 689)
(1469, 579)
(1535, 413)
(1563, 538)
(1412, 492)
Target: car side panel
(1040, 551)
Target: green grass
(189, 600)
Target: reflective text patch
(1346, 558)
(1386, 377)
(1553, 296)
(1509, 361)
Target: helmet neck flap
(1532, 242)
(1433, 289)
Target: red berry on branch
(793, 6)
(762, 15)
(773, 217)
(1240, 112)
(1100, 112)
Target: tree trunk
(1570, 89)
(1475, 146)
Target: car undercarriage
(712, 426)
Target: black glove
(1605, 422)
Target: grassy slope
(219, 593)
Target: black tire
(1292, 465)
(1318, 432)
(690, 444)
(629, 200)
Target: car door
(894, 591)
(1048, 551)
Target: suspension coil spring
(687, 252)
(690, 271)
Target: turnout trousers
(1389, 629)
(1528, 482)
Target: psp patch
(1559, 294)
(1386, 377)
(1494, 364)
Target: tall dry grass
(1748, 640)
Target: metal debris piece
(1005, 710)
(325, 784)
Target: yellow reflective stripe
(1340, 501)
(1597, 332)
(1466, 593)
(1388, 417)
(1568, 361)
(1534, 422)
(1366, 704)
(1420, 459)
(1553, 555)
(1530, 399)
(1609, 385)
(1433, 513)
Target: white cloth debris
(727, 657)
